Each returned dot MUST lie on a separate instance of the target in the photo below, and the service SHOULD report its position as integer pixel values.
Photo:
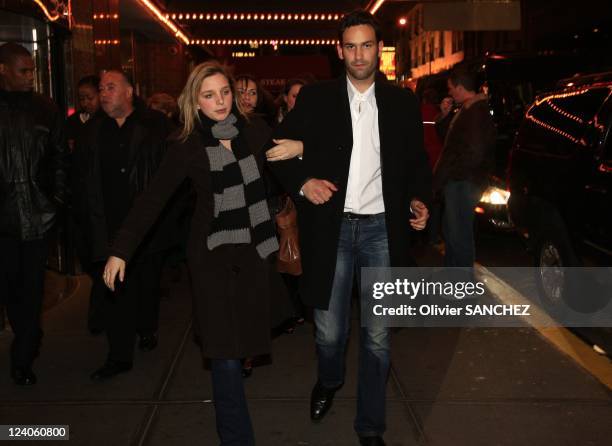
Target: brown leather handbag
(289, 259)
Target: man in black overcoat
(114, 162)
(360, 186)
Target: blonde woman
(232, 237)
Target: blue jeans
(231, 410)
(362, 243)
(460, 198)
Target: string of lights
(54, 14)
(169, 23)
(106, 42)
(274, 42)
(255, 16)
(106, 16)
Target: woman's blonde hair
(188, 100)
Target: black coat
(148, 145)
(237, 296)
(32, 165)
(469, 147)
(322, 120)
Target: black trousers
(132, 308)
(22, 277)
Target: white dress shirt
(364, 188)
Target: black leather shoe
(371, 441)
(147, 343)
(320, 401)
(23, 376)
(111, 369)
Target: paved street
(447, 386)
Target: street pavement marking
(597, 365)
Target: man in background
(32, 188)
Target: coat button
(122, 170)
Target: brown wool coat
(237, 296)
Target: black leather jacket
(32, 165)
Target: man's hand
(446, 106)
(285, 149)
(421, 215)
(318, 191)
(114, 265)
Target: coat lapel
(344, 109)
(384, 129)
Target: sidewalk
(447, 387)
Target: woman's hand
(114, 265)
(285, 149)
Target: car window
(556, 122)
(580, 104)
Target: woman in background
(89, 104)
(290, 94)
(254, 99)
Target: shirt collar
(368, 95)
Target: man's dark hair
(464, 77)
(359, 17)
(91, 81)
(10, 51)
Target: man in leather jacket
(32, 187)
(114, 162)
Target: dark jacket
(469, 147)
(146, 150)
(322, 120)
(237, 296)
(32, 165)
